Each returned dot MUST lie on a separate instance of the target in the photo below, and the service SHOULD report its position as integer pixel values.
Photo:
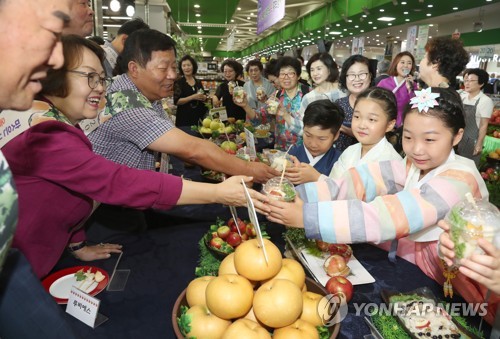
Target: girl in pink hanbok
(399, 200)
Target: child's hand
(446, 246)
(302, 173)
(484, 268)
(287, 213)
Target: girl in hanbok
(397, 200)
(374, 115)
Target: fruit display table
(162, 262)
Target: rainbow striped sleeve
(392, 215)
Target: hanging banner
(389, 47)
(358, 45)
(411, 39)
(230, 41)
(423, 36)
(269, 12)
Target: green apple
(228, 129)
(206, 122)
(205, 130)
(228, 145)
(214, 125)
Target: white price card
(219, 113)
(84, 308)
(250, 144)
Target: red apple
(341, 249)
(223, 231)
(215, 235)
(233, 239)
(244, 237)
(335, 265)
(216, 242)
(241, 225)
(341, 286)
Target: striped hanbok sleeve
(389, 216)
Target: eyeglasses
(94, 79)
(288, 75)
(360, 76)
(470, 80)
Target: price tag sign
(84, 308)
(486, 52)
(219, 113)
(251, 144)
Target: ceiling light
(430, 6)
(405, 13)
(232, 20)
(196, 6)
(374, 27)
(429, 14)
(335, 33)
(130, 10)
(239, 8)
(403, 3)
(362, 31)
(197, 14)
(248, 18)
(386, 18)
(199, 32)
(338, 25)
(407, 19)
(455, 8)
(370, 22)
(115, 5)
(198, 21)
(364, 15)
(381, 9)
(389, 24)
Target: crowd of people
(353, 186)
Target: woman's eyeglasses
(94, 79)
(360, 76)
(287, 75)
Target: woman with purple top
(401, 82)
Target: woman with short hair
(189, 95)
